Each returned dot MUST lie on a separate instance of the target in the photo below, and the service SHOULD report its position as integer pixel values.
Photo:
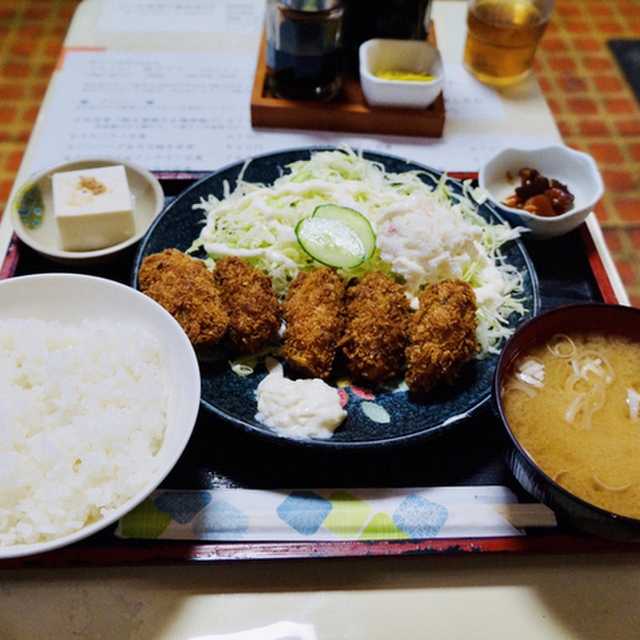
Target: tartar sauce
(301, 408)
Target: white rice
(83, 409)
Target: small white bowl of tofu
(86, 210)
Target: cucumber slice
(331, 242)
(355, 220)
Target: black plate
(230, 397)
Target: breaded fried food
(314, 313)
(376, 332)
(187, 290)
(442, 335)
(252, 304)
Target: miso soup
(573, 404)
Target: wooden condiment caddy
(349, 112)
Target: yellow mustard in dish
(404, 76)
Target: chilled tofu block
(93, 208)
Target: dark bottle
(305, 54)
(398, 19)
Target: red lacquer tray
(569, 269)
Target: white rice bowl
(121, 420)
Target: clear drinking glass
(502, 38)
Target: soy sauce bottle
(305, 53)
(366, 19)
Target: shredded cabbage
(424, 234)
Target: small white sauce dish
(414, 56)
(577, 170)
(33, 218)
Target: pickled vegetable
(540, 195)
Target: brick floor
(31, 35)
(594, 107)
(597, 112)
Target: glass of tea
(502, 38)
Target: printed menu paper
(191, 112)
(181, 16)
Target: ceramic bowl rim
(364, 69)
(187, 365)
(560, 148)
(383, 93)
